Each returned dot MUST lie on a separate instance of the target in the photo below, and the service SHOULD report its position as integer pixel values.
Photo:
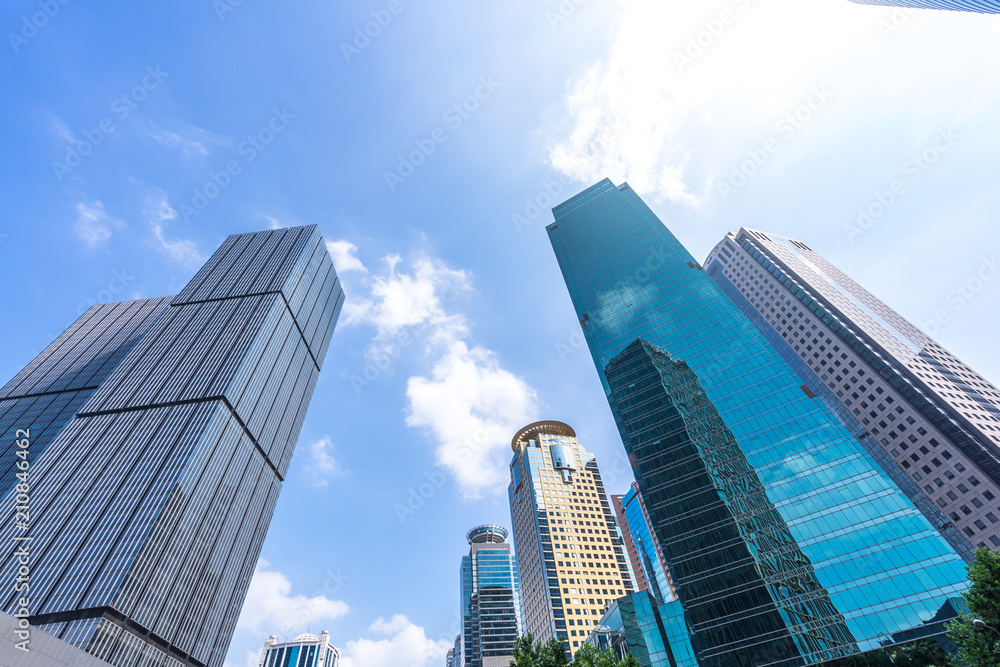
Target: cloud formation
(403, 644)
(468, 404)
(93, 224)
(344, 259)
(686, 89)
(269, 607)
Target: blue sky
(782, 115)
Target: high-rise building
(654, 633)
(644, 550)
(982, 6)
(491, 604)
(570, 549)
(932, 422)
(306, 650)
(786, 543)
(454, 656)
(160, 433)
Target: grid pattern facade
(491, 604)
(639, 626)
(809, 549)
(572, 556)
(641, 583)
(935, 421)
(151, 500)
(981, 6)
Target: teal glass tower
(491, 604)
(786, 543)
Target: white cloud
(404, 645)
(470, 406)
(344, 260)
(273, 223)
(191, 143)
(324, 465)
(401, 302)
(270, 608)
(184, 251)
(672, 106)
(93, 224)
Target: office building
(650, 569)
(160, 433)
(982, 6)
(786, 543)
(654, 633)
(306, 650)
(571, 553)
(41, 649)
(932, 422)
(491, 604)
(454, 656)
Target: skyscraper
(571, 553)
(491, 604)
(932, 422)
(160, 433)
(306, 650)
(643, 547)
(786, 543)
(982, 6)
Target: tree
(529, 653)
(979, 645)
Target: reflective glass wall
(786, 544)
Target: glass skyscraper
(982, 6)
(161, 431)
(930, 421)
(306, 650)
(571, 552)
(786, 543)
(491, 603)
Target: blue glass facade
(786, 543)
(981, 6)
(648, 554)
(490, 599)
(160, 458)
(637, 625)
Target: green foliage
(980, 647)
(923, 653)
(529, 653)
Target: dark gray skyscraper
(160, 433)
(983, 6)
